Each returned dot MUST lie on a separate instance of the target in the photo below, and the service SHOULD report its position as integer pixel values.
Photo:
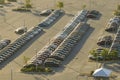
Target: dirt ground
(74, 65)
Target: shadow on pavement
(21, 50)
(75, 50)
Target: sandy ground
(77, 63)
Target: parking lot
(75, 64)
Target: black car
(51, 62)
(105, 41)
(93, 14)
(112, 27)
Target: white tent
(102, 72)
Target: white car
(21, 30)
(46, 12)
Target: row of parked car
(107, 40)
(116, 42)
(66, 46)
(51, 18)
(17, 44)
(44, 53)
(28, 35)
(113, 24)
(73, 23)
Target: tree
(84, 6)
(93, 52)
(116, 12)
(104, 54)
(113, 54)
(2, 1)
(25, 59)
(118, 7)
(60, 5)
(12, 0)
(28, 4)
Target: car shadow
(112, 65)
(105, 46)
(21, 50)
(114, 32)
(98, 17)
(70, 15)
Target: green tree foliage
(28, 4)
(104, 54)
(93, 52)
(84, 6)
(60, 4)
(113, 54)
(117, 12)
(2, 1)
(25, 59)
(12, 0)
(118, 7)
(32, 68)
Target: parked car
(1, 6)
(113, 24)
(4, 43)
(21, 30)
(93, 14)
(46, 12)
(112, 27)
(97, 51)
(105, 40)
(51, 62)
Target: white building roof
(102, 72)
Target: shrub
(22, 9)
(2, 1)
(91, 73)
(28, 6)
(32, 68)
(12, 0)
